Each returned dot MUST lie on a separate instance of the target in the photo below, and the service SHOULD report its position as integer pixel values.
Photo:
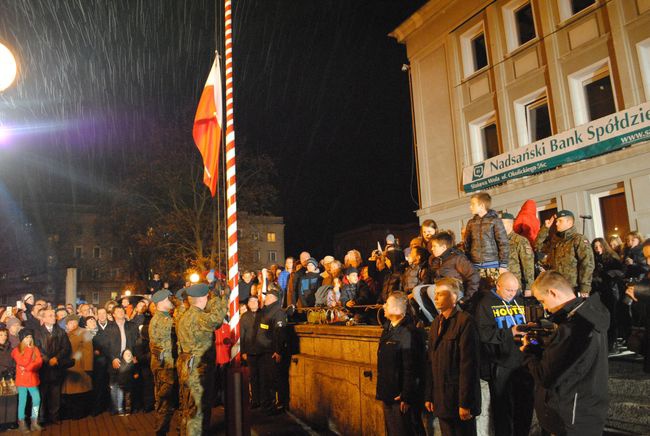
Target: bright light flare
(195, 277)
(8, 67)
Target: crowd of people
(490, 357)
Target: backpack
(321, 295)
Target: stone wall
(332, 378)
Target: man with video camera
(570, 368)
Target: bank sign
(603, 135)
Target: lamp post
(8, 67)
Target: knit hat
(351, 270)
(312, 261)
(25, 332)
(507, 216)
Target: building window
(51, 260)
(484, 138)
(255, 236)
(592, 93)
(270, 237)
(519, 23)
(78, 252)
(95, 297)
(273, 256)
(532, 117)
(569, 8)
(643, 51)
(474, 50)
(97, 253)
(256, 256)
(96, 274)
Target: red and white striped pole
(231, 190)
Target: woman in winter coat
(28, 362)
(7, 364)
(607, 281)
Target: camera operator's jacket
(571, 373)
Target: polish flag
(207, 126)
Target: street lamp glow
(127, 293)
(195, 277)
(8, 67)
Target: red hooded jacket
(27, 365)
(527, 224)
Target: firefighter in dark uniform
(271, 343)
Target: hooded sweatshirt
(527, 224)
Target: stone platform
(332, 379)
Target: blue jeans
(22, 400)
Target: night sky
(318, 87)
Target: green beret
(198, 290)
(71, 318)
(180, 294)
(507, 216)
(562, 213)
(161, 295)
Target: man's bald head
(507, 286)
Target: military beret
(161, 295)
(507, 216)
(273, 291)
(351, 270)
(71, 318)
(198, 290)
(563, 213)
(180, 294)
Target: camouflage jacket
(196, 328)
(162, 340)
(569, 253)
(521, 260)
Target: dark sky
(318, 87)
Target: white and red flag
(208, 126)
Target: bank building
(532, 99)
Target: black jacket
(7, 363)
(453, 371)
(453, 263)
(113, 340)
(247, 328)
(400, 363)
(100, 343)
(495, 318)
(306, 285)
(571, 374)
(486, 240)
(55, 344)
(271, 336)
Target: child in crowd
(486, 240)
(122, 382)
(447, 261)
(28, 362)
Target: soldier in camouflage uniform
(197, 355)
(162, 344)
(521, 258)
(567, 251)
(180, 307)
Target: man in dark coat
(248, 326)
(400, 367)
(100, 363)
(271, 342)
(571, 371)
(640, 294)
(453, 390)
(120, 335)
(55, 349)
